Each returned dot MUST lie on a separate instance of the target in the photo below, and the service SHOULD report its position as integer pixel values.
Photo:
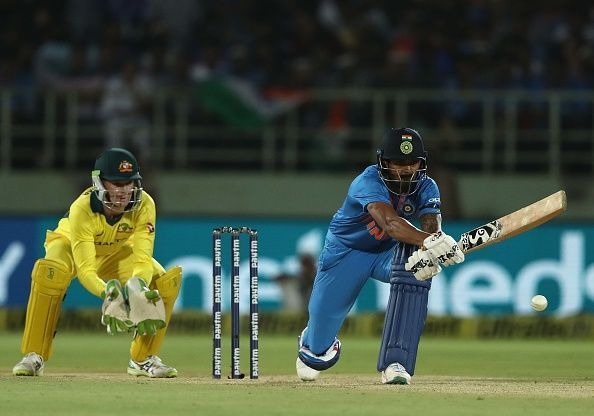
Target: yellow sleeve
(83, 249)
(143, 239)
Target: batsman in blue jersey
(371, 235)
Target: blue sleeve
(430, 201)
(367, 188)
(352, 225)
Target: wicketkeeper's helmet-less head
(405, 147)
(118, 166)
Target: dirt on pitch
(481, 387)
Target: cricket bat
(515, 223)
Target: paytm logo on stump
(476, 287)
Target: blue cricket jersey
(355, 228)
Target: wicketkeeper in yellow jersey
(106, 240)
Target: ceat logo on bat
(125, 166)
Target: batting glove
(443, 248)
(423, 265)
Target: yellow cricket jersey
(92, 236)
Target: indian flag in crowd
(239, 104)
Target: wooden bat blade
(515, 223)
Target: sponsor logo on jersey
(110, 243)
(150, 227)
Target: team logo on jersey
(408, 209)
(150, 227)
(125, 228)
(125, 166)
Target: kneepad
(404, 321)
(49, 282)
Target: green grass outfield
(86, 376)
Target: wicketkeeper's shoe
(304, 372)
(31, 365)
(151, 367)
(395, 374)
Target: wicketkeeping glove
(114, 311)
(443, 248)
(423, 265)
(147, 310)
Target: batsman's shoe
(304, 372)
(151, 367)
(395, 374)
(31, 365)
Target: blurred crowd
(115, 52)
(303, 43)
